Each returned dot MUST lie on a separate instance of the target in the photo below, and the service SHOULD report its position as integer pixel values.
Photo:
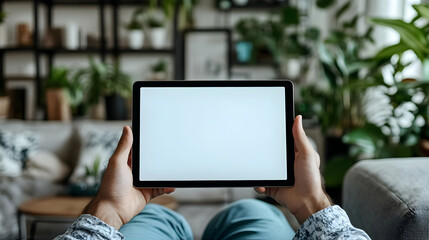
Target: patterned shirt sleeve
(90, 227)
(329, 223)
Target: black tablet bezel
(290, 114)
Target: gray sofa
(197, 205)
(389, 198)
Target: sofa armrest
(389, 198)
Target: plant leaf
(389, 51)
(343, 9)
(411, 35)
(422, 10)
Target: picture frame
(207, 54)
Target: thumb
(124, 145)
(301, 141)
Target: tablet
(212, 134)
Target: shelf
(16, 49)
(19, 78)
(255, 5)
(83, 2)
(144, 50)
(72, 51)
(254, 64)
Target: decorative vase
(24, 35)
(58, 105)
(3, 35)
(136, 39)
(4, 107)
(158, 37)
(72, 36)
(244, 51)
(116, 107)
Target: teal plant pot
(244, 51)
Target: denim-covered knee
(253, 208)
(157, 222)
(249, 219)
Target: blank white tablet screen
(212, 133)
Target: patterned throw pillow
(14, 149)
(96, 149)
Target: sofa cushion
(14, 149)
(389, 198)
(45, 165)
(55, 137)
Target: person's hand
(307, 196)
(117, 201)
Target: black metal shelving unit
(103, 51)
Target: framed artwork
(207, 54)
(23, 93)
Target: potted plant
(135, 28)
(3, 30)
(158, 33)
(116, 90)
(247, 29)
(57, 101)
(94, 78)
(159, 71)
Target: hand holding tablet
(213, 134)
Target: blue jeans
(244, 219)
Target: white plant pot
(158, 37)
(3, 35)
(136, 39)
(240, 2)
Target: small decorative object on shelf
(72, 36)
(135, 28)
(54, 38)
(24, 35)
(159, 71)
(3, 30)
(4, 105)
(158, 33)
(240, 2)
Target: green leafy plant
(117, 82)
(2, 17)
(160, 66)
(62, 77)
(94, 78)
(135, 22)
(101, 79)
(413, 37)
(185, 7)
(153, 22)
(346, 76)
(249, 30)
(94, 170)
(58, 78)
